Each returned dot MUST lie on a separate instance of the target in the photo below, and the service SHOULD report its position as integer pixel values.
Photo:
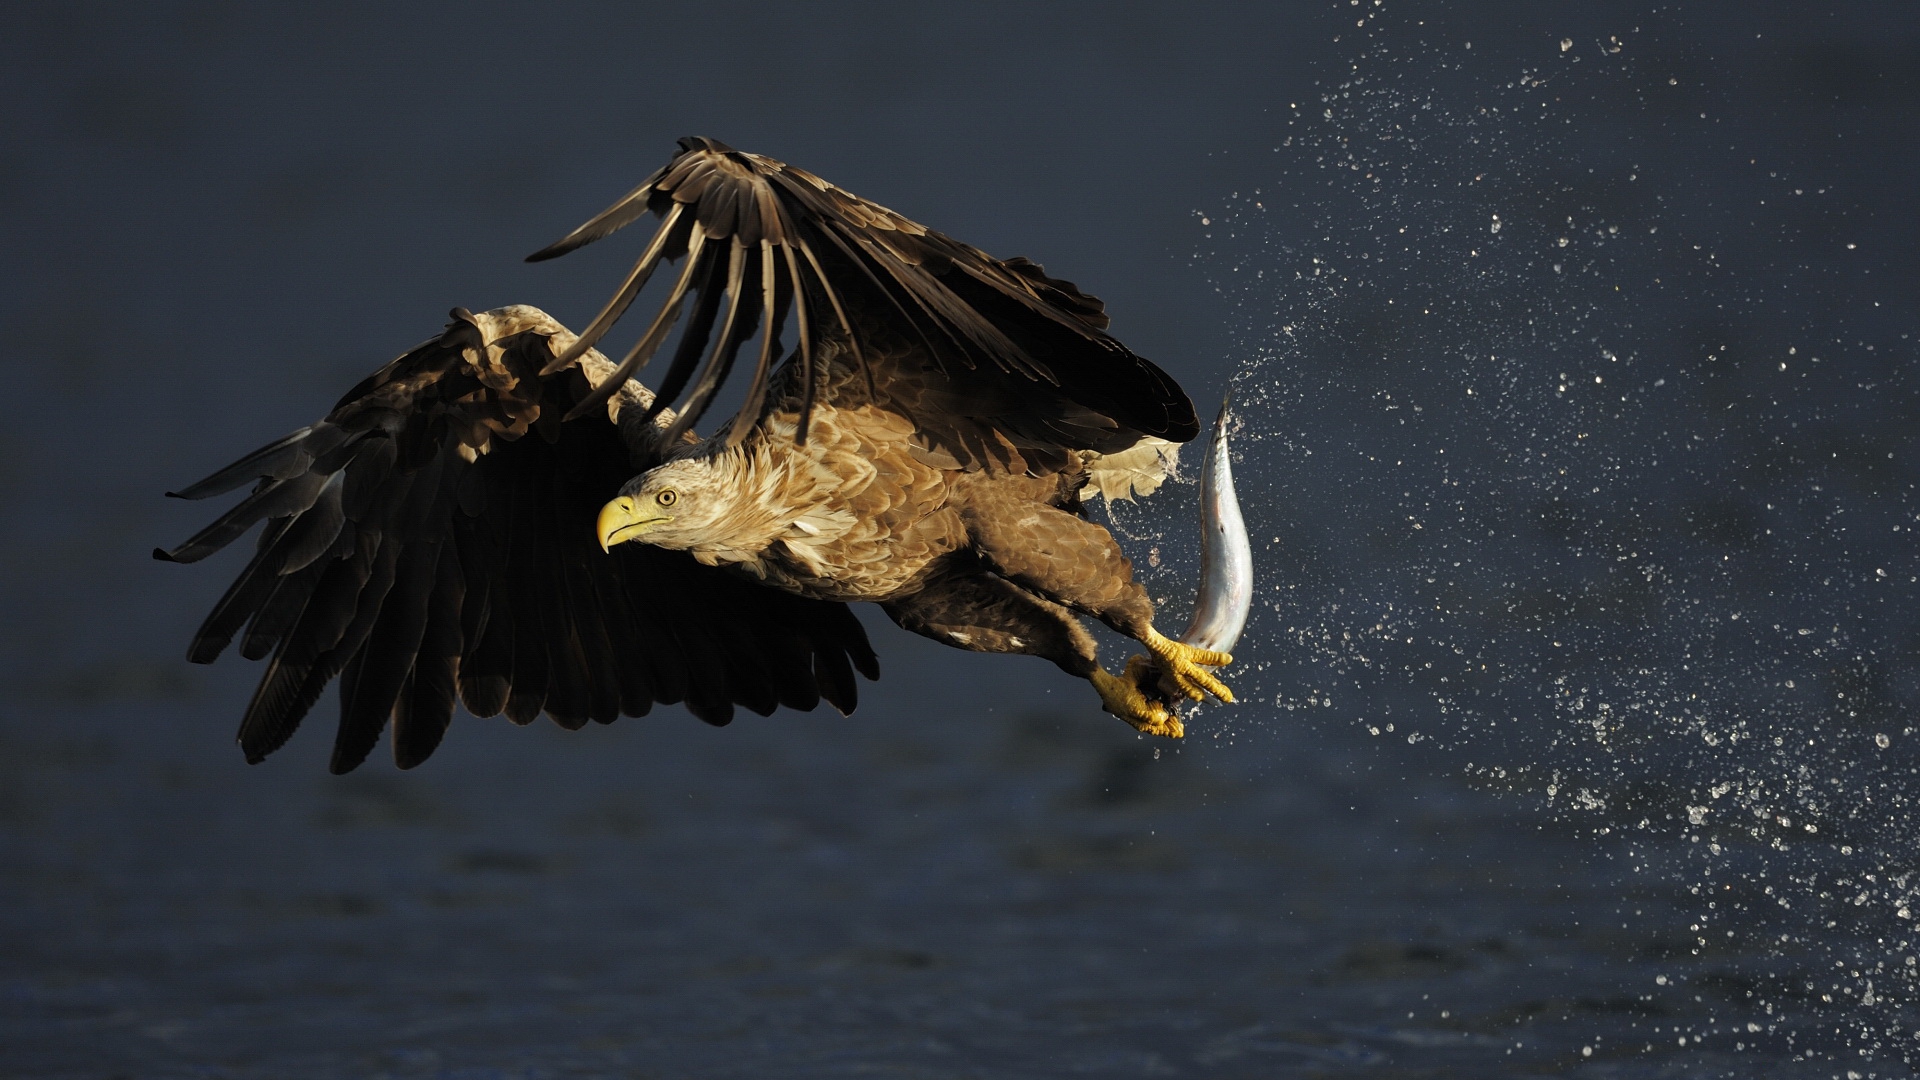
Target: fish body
(1226, 554)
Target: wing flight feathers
(419, 548)
(630, 288)
(856, 267)
(656, 334)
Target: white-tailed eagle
(505, 515)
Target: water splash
(1577, 460)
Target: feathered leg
(1075, 562)
(970, 607)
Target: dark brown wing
(770, 238)
(434, 536)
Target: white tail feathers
(1140, 469)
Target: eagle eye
(666, 498)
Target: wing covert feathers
(858, 273)
(421, 549)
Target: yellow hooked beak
(621, 521)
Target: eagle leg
(1071, 561)
(968, 606)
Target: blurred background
(1574, 347)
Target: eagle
(506, 517)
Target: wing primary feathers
(708, 695)
(314, 652)
(527, 678)
(945, 316)
(751, 670)
(630, 288)
(243, 599)
(858, 649)
(790, 659)
(485, 671)
(834, 675)
(801, 303)
(486, 618)
(847, 247)
(425, 706)
(720, 359)
(1039, 307)
(276, 709)
(656, 334)
(693, 343)
(269, 460)
(313, 533)
(663, 650)
(279, 612)
(278, 498)
(596, 646)
(927, 294)
(274, 712)
(428, 704)
(621, 214)
(834, 224)
(527, 686)
(749, 413)
(568, 693)
(853, 339)
(349, 681)
(631, 663)
(477, 570)
(368, 480)
(379, 670)
(241, 602)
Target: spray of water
(1574, 456)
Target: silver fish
(1226, 555)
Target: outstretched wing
(760, 239)
(434, 536)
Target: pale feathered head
(696, 504)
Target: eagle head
(691, 504)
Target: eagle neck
(756, 514)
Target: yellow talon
(1180, 668)
(1143, 694)
(1121, 696)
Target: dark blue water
(1577, 724)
